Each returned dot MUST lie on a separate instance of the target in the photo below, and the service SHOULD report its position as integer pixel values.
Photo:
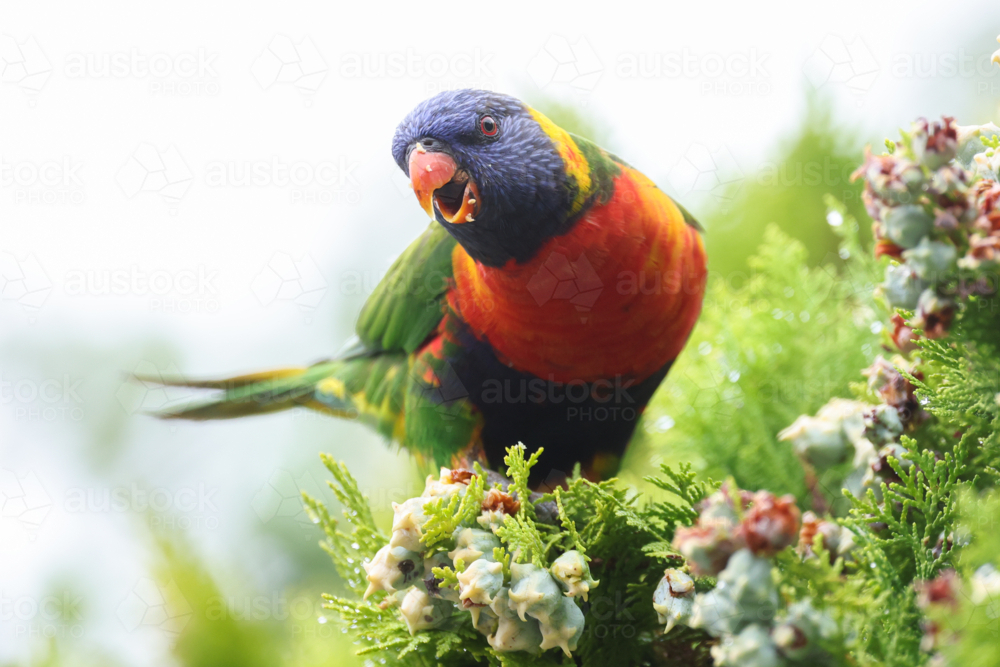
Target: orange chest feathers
(616, 296)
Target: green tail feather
(370, 389)
(389, 377)
(225, 383)
(243, 395)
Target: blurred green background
(125, 540)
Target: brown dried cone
(935, 143)
(941, 591)
(885, 379)
(461, 475)
(771, 523)
(500, 501)
(837, 540)
(934, 314)
(496, 506)
(707, 545)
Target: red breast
(617, 295)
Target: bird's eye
(488, 126)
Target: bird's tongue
(428, 172)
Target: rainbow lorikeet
(544, 304)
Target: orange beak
(440, 185)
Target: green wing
(377, 379)
(415, 400)
(406, 306)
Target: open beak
(441, 187)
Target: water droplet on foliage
(664, 423)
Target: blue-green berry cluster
(753, 625)
(845, 430)
(935, 203)
(517, 606)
